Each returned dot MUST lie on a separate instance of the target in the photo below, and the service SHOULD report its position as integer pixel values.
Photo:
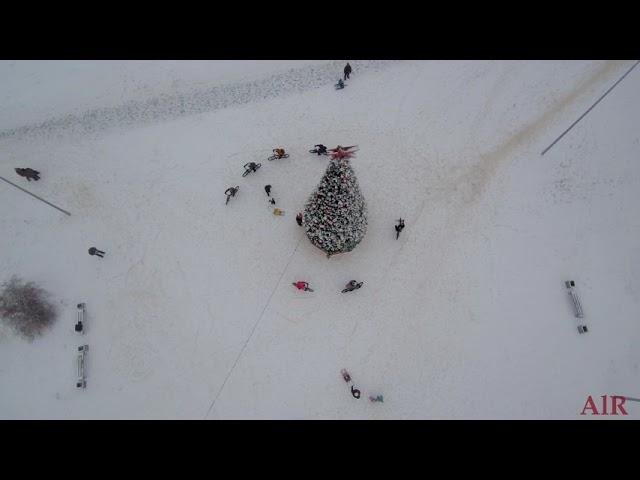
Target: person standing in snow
(231, 192)
(355, 392)
(94, 251)
(347, 71)
(267, 188)
(399, 227)
(299, 218)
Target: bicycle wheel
(272, 157)
(246, 172)
(313, 151)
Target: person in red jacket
(300, 285)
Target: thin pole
(33, 195)
(632, 399)
(590, 108)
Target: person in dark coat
(399, 227)
(251, 166)
(231, 192)
(347, 71)
(355, 392)
(267, 188)
(321, 149)
(28, 173)
(94, 251)
(299, 218)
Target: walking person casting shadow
(94, 251)
(231, 192)
(347, 71)
(28, 173)
(399, 227)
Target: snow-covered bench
(82, 353)
(570, 284)
(81, 313)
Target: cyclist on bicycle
(320, 149)
(251, 166)
(279, 152)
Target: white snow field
(192, 315)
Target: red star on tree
(342, 152)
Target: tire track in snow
(235, 363)
(465, 188)
(172, 106)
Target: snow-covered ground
(192, 314)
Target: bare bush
(25, 307)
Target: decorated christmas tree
(335, 216)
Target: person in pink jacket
(300, 285)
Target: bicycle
(315, 150)
(277, 157)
